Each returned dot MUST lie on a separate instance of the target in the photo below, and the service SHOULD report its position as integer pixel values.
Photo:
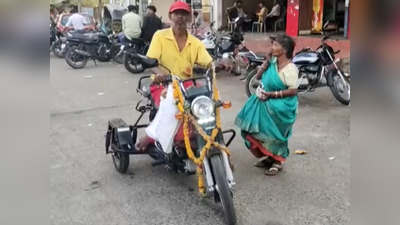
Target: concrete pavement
(85, 188)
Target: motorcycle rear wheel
(72, 62)
(337, 90)
(137, 67)
(224, 191)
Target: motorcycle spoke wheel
(223, 189)
(340, 89)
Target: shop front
(306, 17)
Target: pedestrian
(151, 23)
(131, 24)
(76, 21)
(267, 118)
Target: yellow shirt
(165, 49)
(262, 14)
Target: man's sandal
(274, 170)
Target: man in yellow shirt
(263, 12)
(176, 49)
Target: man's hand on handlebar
(160, 77)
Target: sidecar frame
(121, 138)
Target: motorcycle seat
(136, 40)
(84, 37)
(260, 58)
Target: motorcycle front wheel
(132, 65)
(251, 83)
(57, 50)
(115, 49)
(224, 191)
(339, 89)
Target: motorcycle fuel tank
(306, 58)
(208, 43)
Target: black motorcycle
(82, 46)
(57, 41)
(121, 139)
(129, 50)
(313, 67)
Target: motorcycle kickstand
(94, 60)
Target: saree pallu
(267, 125)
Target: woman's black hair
(287, 43)
(152, 8)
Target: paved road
(85, 188)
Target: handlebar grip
(337, 52)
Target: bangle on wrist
(281, 94)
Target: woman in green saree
(267, 118)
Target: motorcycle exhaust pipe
(83, 53)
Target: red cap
(180, 6)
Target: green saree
(267, 125)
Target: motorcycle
(121, 138)
(83, 46)
(129, 50)
(314, 66)
(57, 41)
(226, 46)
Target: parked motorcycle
(225, 46)
(134, 46)
(121, 138)
(57, 40)
(313, 67)
(83, 46)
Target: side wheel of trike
(120, 160)
(224, 191)
(74, 59)
(132, 65)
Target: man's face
(180, 18)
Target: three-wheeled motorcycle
(202, 152)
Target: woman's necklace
(283, 64)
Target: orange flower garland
(210, 140)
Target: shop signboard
(317, 18)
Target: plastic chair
(281, 21)
(231, 25)
(259, 26)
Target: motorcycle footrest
(158, 162)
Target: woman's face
(277, 49)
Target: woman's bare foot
(143, 143)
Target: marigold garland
(210, 140)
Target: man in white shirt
(132, 23)
(275, 13)
(77, 21)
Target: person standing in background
(151, 23)
(76, 20)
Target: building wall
(162, 8)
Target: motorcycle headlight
(203, 107)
